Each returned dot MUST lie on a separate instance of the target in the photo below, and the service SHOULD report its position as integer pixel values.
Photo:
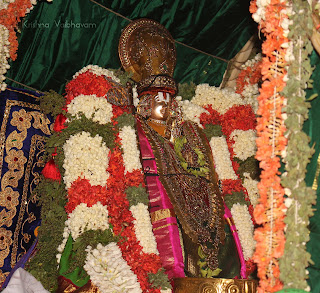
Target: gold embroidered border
(7, 110)
(24, 201)
(161, 214)
(11, 179)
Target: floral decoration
(85, 218)
(99, 110)
(131, 154)
(116, 155)
(229, 121)
(247, 81)
(11, 13)
(85, 157)
(220, 153)
(97, 175)
(271, 142)
(143, 228)
(210, 95)
(244, 143)
(299, 198)
(242, 220)
(109, 271)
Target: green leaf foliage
(51, 103)
(43, 266)
(124, 76)
(137, 195)
(295, 258)
(90, 237)
(187, 90)
(250, 165)
(212, 130)
(234, 198)
(125, 119)
(159, 280)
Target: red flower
(87, 83)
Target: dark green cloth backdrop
(50, 52)
(52, 47)
(312, 128)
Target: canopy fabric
(60, 38)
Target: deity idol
(143, 203)
(187, 211)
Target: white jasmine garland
(85, 157)
(250, 93)
(221, 157)
(251, 62)
(96, 108)
(252, 188)
(244, 143)
(97, 70)
(109, 271)
(4, 55)
(261, 11)
(4, 4)
(143, 228)
(192, 111)
(220, 99)
(135, 96)
(84, 218)
(131, 153)
(244, 225)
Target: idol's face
(160, 106)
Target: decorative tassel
(51, 171)
(59, 123)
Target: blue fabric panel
(23, 128)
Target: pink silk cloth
(164, 222)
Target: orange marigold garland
(270, 211)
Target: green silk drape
(60, 38)
(312, 128)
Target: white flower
(288, 202)
(143, 228)
(244, 225)
(192, 111)
(109, 271)
(221, 157)
(97, 70)
(84, 218)
(244, 143)
(4, 54)
(220, 99)
(4, 4)
(99, 109)
(135, 96)
(252, 188)
(131, 153)
(250, 93)
(85, 157)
